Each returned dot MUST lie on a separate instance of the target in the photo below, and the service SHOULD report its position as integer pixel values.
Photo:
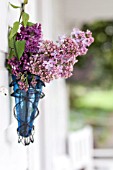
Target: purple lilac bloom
(15, 65)
(47, 59)
(33, 37)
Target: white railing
(103, 159)
(80, 144)
(81, 154)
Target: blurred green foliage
(92, 106)
(86, 97)
(101, 53)
(91, 94)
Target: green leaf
(14, 6)
(14, 30)
(11, 54)
(11, 42)
(25, 1)
(25, 18)
(20, 47)
(30, 23)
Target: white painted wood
(4, 83)
(80, 145)
(10, 151)
(4, 115)
(30, 154)
(62, 162)
(14, 13)
(103, 164)
(53, 121)
(4, 100)
(47, 18)
(103, 159)
(33, 151)
(54, 107)
(3, 25)
(12, 155)
(107, 153)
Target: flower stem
(22, 10)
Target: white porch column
(29, 156)
(54, 107)
(4, 83)
(4, 100)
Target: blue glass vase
(26, 109)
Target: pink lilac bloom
(68, 47)
(83, 40)
(45, 63)
(46, 59)
(23, 85)
(68, 50)
(53, 61)
(61, 39)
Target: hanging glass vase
(26, 109)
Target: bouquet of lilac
(33, 61)
(47, 59)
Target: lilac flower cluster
(47, 59)
(82, 39)
(33, 37)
